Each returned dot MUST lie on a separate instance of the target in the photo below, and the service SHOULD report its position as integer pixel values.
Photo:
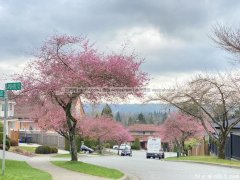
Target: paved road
(153, 169)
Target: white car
(115, 147)
(122, 146)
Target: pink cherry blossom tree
(121, 135)
(104, 129)
(64, 69)
(179, 127)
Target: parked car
(115, 147)
(126, 152)
(124, 146)
(86, 149)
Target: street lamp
(3, 93)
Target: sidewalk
(60, 173)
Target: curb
(195, 162)
(129, 177)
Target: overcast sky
(172, 36)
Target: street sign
(2, 93)
(14, 86)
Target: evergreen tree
(130, 121)
(150, 121)
(118, 117)
(107, 111)
(141, 118)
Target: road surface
(154, 169)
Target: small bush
(54, 150)
(107, 145)
(43, 150)
(8, 144)
(6, 147)
(136, 144)
(14, 142)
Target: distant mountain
(130, 108)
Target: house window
(10, 107)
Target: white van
(154, 149)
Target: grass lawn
(68, 155)
(90, 169)
(25, 148)
(206, 159)
(20, 170)
(62, 156)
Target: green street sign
(1, 93)
(14, 86)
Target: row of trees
(211, 99)
(129, 119)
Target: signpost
(13, 86)
(1, 93)
(8, 86)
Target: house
(232, 148)
(11, 120)
(18, 116)
(144, 131)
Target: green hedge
(45, 150)
(8, 144)
(136, 144)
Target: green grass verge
(20, 170)
(206, 159)
(68, 155)
(24, 148)
(61, 156)
(90, 169)
(29, 149)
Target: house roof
(237, 126)
(144, 127)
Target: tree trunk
(99, 146)
(221, 148)
(71, 122)
(73, 147)
(118, 149)
(182, 148)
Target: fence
(232, 147)
(44, 138)
(199, 150)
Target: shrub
(14, 142)
(107, 145)
(43, 150)
(54, 150)
(8, 144)
(136, 144)
(46, 150)
(6, 147)
(1, 139)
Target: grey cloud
(25, 24)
